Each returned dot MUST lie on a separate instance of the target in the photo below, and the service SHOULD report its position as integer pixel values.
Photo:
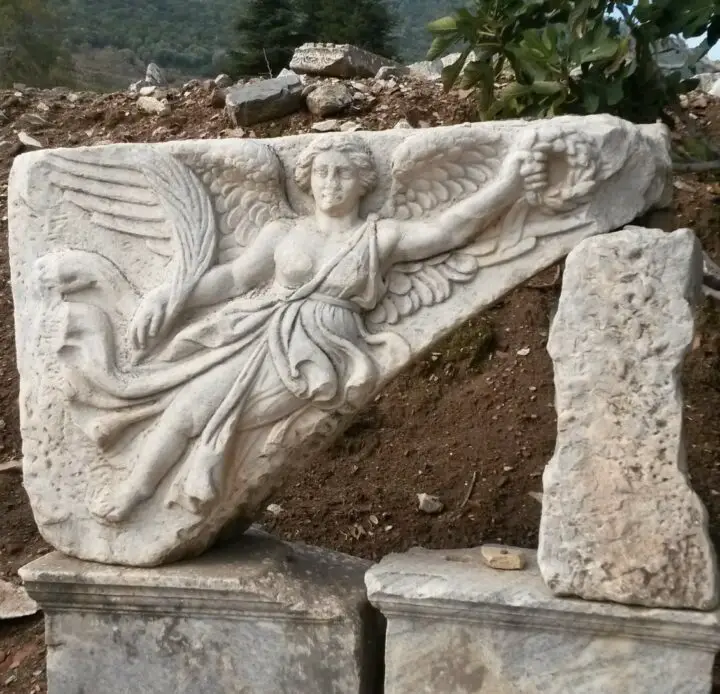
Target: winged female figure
(268, 320)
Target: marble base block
(456, 625)
(256, 617)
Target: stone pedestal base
(455, 625)
(256, 617)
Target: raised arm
(253, 267)
(403, 241)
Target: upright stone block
(256, 617)
(620, 521)
(457, 625)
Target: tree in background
(573, 56)
(30, 50)
(368, 24)
(270, 30)
(268, 33)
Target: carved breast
(293, 266)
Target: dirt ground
(473, 424)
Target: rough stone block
(257, 617)
(456, 625)
(247, 104)
(620, 521)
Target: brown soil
(473, 424)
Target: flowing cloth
(309, 347)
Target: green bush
(572, 56)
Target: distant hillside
(112, 40)
(414, 15)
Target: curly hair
(352, 147)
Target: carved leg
(166, 442)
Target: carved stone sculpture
(620, 521)
(190, 315)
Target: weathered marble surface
(192, 316)
(256, 617)
(619, 520)
(456, 625)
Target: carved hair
(353, 148)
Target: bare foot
(113, 505)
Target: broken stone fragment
(503, 558)
(428, 503)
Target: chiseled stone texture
(337, 60)
(620, 521)
(257, 617)
(456, 625)
(192, 317)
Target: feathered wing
(150, 195)
(429, 176)
(247, 190)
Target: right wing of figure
(247, 190)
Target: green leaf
(443, 25)
(450, 73)
(547, 88)
(614, 92)
(439, 45)
(591, 102)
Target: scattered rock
(224, 81)
(426, 70)
(15, 602)
(218, 98)
(235, 132)
(402, 124)
(388, 71)
(149, 104)
(523, 352)
(326, 126)
(428, 503)
(333, 60)
(154, 75)
(29, 141)
(274, 509)
(148, 91)
(350, 126)
(503, 558)
(264, 100)
(329, 99)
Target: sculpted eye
(346, 173)
(321, 171)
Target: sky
(714, 53)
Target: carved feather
(151, 195)
(247, 192)
(431, 173)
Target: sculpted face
(335, 183)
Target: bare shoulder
(276, 229)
